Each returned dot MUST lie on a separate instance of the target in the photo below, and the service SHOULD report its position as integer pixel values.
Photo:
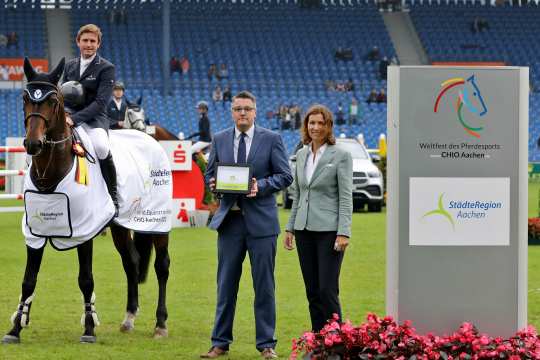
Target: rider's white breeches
(100, 140)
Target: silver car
(368, 185)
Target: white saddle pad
(76, 213)
(144, 182)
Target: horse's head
(135, 117)
(468, 97)
(43, 107)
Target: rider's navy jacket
(97, 81)
(114, 114)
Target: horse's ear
(139, 100)
(56, 74)
(29, 71)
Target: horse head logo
(468, 96)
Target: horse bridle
(131, 123)
(42, 98)
(36, 100)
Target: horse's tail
(143, 244)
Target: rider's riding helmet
(119, 85)
(73, 93)
(202, 105)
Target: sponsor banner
(459, 211)
(12, 69)
(182, 209)
(179, 154)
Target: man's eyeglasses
(239, 109)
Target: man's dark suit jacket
(97, 81)
(270, 166)
(116, 115)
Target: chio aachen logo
(469, 96)
(466, 210)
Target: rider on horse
(205, 137)
(116, 110)
(96, 75)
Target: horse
(55, 151)
(469, 96)
(135, 118)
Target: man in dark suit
(116, 110)
(247, 223)
(96, 75)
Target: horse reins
(44, 139)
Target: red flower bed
(534, 228)
(383, 339)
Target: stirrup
(24, 309)
(90, 309)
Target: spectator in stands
(12, 39)
(340, 115)
(184, 65)
(330, 85)
(374, 54)
(372, 96)
(286, 122)
(479, 24)
(3, 40)
(223, 72)
(349, 85)
(4, 73)
(204, 134)
(297, 117)
(381, 97)
(217, 95)
(340, 87)
(212, 71)
(174, 65)
(227, 95)
(344, 54)
(383, 68)
(283, 110)
(116, 111)
(353, 111)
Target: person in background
(116, 110)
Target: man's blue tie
(241, 156)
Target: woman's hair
(328, 121)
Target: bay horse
(49, 141)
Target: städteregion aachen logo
(441, 211)
(469, 96)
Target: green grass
(55, 328)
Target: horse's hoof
(127, 327)
(88, 339)
(10, 339)
(161, 333)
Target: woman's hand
(288, 240)
(341, 243)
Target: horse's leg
(130, 261)
(21, 317)
(89, 318)
(161, 265)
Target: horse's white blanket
(75, 213)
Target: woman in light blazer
(321, 213)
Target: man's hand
(254, 188)
(288, 240)
(121, 123)
(341, 243)
(69, 121)
(212, 184)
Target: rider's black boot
(109, 175)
